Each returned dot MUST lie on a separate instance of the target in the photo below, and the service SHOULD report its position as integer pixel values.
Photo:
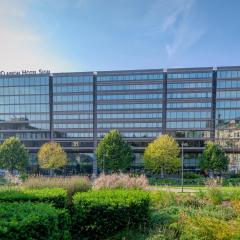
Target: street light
(182, 165)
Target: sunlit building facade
(194, 105)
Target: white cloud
(178, 22)
(22, 46)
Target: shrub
(56, 196)
(215, 195)
(101, 213)
(210, 228)
(71, 184)
(120, 181)
(33, 221)
(191, 175)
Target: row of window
(135, 134)
(129, 115)
(26, 135)
(24, 108)
(129, 96)
(73, 135)
(24, 99)
(72, 89)
(23, 81)
(228, 94)
(228, 74)
(190, 85)
(128, 106)
(228, 84)
(129, 87)
(189, 75)
(189, 105)
(25, 117)
(190, 95)
(73, 125)
(33, 90)
(24, 126)
(227, 114)
(130, 125)
(228, 104)
(190, 134)
(72, 116)
(72, 107)
(76, 79)
(73, 98)
(189, 124)
(191, 114)
(130, 77)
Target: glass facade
(24, 109)
(193, 105)
(131, 103)
(227, 131)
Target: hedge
(56, 196)
(33, 221)
(100, 213)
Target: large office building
(194, 105)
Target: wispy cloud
(184, 33)
(22, 46)
(172, 20)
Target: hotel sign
(24, 72)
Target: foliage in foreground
(98, 214)
(33, 221)
(120, 181)
(71, 184)
(161, 155)
(13, 155)
(56, 196)
(113, 153)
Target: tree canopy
(162, 155)
(113, 153)
(52, 156)
(213, 159)
(13, 155)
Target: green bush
(215, 195)
(33, 221)
(101, 213)
(56, 196)
(208, 228)
(191, 175)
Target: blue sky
(85, 35)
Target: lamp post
(182, 164)
(182, 169)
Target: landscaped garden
(116, 204)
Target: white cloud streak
(172, 20)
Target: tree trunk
(162, 173)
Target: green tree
(113, 153)
(162, 155)
(213, 159)
(52, 156)
(13, 155)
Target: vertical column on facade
(51, 106)
(213, 115)
(164, 102)
(94, 122)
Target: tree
(52, 156)
(213, 159)
(13, 155)
(162, 155)
(113, 153)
